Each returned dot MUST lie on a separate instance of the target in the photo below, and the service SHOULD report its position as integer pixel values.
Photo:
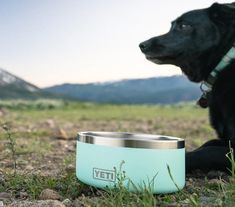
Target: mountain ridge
(155, 90)
(14, 87)
(7, 78)
(163, 90)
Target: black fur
(196, 43)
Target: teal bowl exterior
(158, 170)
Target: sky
(50, 42)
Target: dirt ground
(45, 145)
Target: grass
(11, 145)
(69, 187)
(73, 111)
(43, 161)
(34, 184)
(230, 156)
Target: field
(38, 143)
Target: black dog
(197, 42)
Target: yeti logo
(105, 175)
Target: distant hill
(13, 87)
(164, 90)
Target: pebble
(209, 201)
(205, 199)
(77, 203)
(67, 202)
(5, 198)
(5, 195)
(190, 180)
(61, 134)
(50, 123)
(29, 168)
(23, 195)
(49, 194)
(70, 169)
(42, 203)
(214, 182)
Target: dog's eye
(184, 27)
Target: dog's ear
(222, 13)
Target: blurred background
(59, 46)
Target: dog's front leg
(208, 158)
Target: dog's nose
(144, 46)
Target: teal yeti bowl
(138, 161)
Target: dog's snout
(144, 46)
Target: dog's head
(196, 41)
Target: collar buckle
(206, 86)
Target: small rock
(190, 180)
(206, 201)
(5, 198)
(67, 202)
(5, 195)
(45, 203)
(77, 203)
(29, 168)
(61, 134)
(23, 195)
(214, 182)
(69, 148)
(48, 194)
(50, 123)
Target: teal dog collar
(226, 60)
(206, 86)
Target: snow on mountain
(7, 78)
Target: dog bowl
(135, 161)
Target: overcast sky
(50, 42)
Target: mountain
(7, 78)
(164, 90)
(13, 87)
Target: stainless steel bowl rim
(131, 140)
